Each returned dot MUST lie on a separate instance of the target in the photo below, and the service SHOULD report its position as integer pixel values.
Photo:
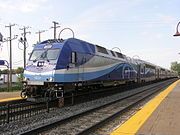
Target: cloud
(107, 16)
(92, 18)
(23, 6)
(166, 18)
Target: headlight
(25, 79)
(50, 79)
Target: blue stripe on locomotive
(114, 73)
(119, 73)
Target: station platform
(160, 116)
(8, 96)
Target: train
(57, 66)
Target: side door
(139, 73)
(126, 73)
(142, 72)
(81, 67)
(71, 73)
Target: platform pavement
(160, 116)
(6, 96)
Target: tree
(4, 71)
(19, 70)
(175, 66)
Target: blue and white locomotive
(58, 66)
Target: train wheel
(23, 94)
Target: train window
(150, 66)
(144, 69)
(44, 54)
(101, 49)
(120, 55)
(113, 53)
(73, 57)
(52, 54)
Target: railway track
(16, 110)
(90, 120)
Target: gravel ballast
(58, 114)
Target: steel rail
(121, 111)
(54, 124)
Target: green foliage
(5, 71)
(19, 70)
(175, 66)
(20, 77)
(16, 87)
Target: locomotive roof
(89, 48)
(80, 45)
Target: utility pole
(10, 55)
(39, 33)
(24, 40)
(55, 27)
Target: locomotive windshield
(45, 54)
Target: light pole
(137, 56)
(116, 48)
(137, 59)
(177, 32)
(59, 36)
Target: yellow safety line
(10, 99)
(131, 126)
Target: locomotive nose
(50, 79)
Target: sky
(139, 28)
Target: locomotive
(58, 66)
